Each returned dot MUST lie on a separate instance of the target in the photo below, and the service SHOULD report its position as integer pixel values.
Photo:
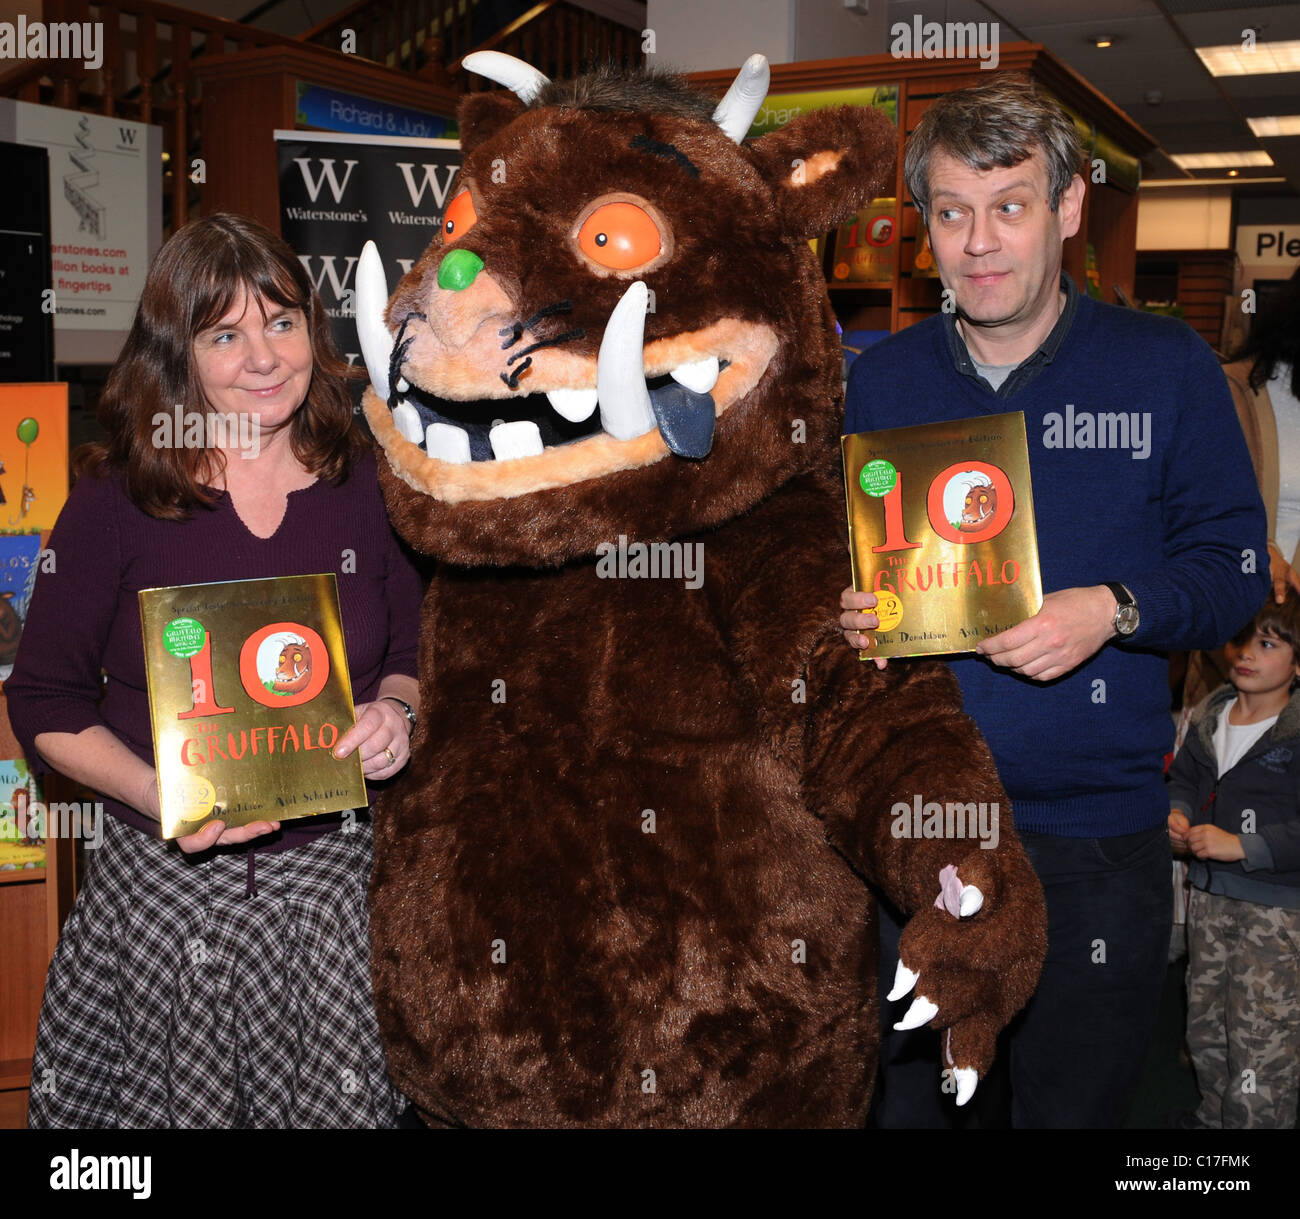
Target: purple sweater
(84, 615)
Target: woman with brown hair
(223, 980)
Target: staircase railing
(558, 39)
(414, 36)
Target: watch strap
(407, 709)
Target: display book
(248, 694)
(941, 529)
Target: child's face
(1264, 665)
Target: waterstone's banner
(105, 191)
(339, 191)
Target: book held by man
(248, 694)
(941, 529)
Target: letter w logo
(430, 180)
(326, 172)
(327, 271)
(126, 135)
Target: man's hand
(1071, 627)
(1283, 574)
(854, 623)
(1210, 842)
(1178, 827)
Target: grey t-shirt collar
(1027, 369)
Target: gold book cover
(248, 693)
(941, 529)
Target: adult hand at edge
(1071, 627)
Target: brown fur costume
(629, 886)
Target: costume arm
(906, 784)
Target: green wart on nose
(458, 270)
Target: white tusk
(522, 79)
(625, 410)
(735, 112)
(372, 297)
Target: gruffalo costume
(624, 880)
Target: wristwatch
(1126, 609)
(407, 709)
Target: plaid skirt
(214, 992)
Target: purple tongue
(685, 419)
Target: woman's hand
(215, 834)
(383, 735)
(1283, 574)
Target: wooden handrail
(403, 34)
(503, 35)
(559, 39)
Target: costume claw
(967, 1078)
(904, 980)
(971, 900)
(921, 1012)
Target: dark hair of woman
(1275, 337)
(194, 280)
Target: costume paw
(971, 959)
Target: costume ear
(482, 115)
(825, 165)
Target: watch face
(1126, 619)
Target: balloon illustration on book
(28, 430)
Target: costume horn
(522, 79)
(736, 110)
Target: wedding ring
(390, 755)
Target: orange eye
(620, 236)
(459, 217)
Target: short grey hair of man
(994, 126)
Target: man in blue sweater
(1151, 536)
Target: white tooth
(407, 419)
(575, 405)
(402, 385)
(372, 297)
(447, 443)
(699, 375)
(518, 439)
(620, 369)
